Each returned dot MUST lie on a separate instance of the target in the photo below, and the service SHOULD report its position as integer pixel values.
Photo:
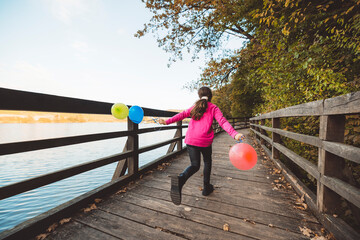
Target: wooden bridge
(267, 202)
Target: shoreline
(9, 116)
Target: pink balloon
(243, 156)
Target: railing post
(257, 122)
(331, 129)
(133, 144)
(262, 131)
(275, 138)
(179, 134)
(121, 166)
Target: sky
(86, 49)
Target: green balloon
(119, 110)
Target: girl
(198, 139)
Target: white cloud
(122, 32)
(81, 46)
(67, 10)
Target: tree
(296, 50)
(195, 25)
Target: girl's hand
(162, 121)
(239, 137)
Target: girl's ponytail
(201, 105)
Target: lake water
(21, 166)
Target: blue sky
(87, 49)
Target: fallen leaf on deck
(65, 220)
(226, 227)
(348, 212)
(159, 228)
(306, 231)
(270, 225)
(250, 221)
(52, 227)
(97, 200)
(187, 209)
(200, 188)
(122, 191)
(92, 207)
(41, 236)
(302, 206)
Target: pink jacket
(200, 132)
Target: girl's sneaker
(208, 189)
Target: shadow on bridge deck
(246, 203)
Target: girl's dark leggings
(194, 153)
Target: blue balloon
(136, 114)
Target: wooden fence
(128, 161)
(329, 174)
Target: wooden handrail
(332, 152)
(345, 104)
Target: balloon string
(155, 120)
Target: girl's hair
(201, 105)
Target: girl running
(198, 140)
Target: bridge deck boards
(245, 201)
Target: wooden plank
(345, 104)
(264, 190)
(177, 225)
(79, 231)
(300, 161)
(251, 200)
(28, 101)
(347, 191)
(311, 140)
(36, 182)
(212, 219)
(225, 173)
(306, 109)
(17, 147)
(157, 145)
(269, 140)
(342, 150)
(123, 227)
(241, 212)
(157, 128)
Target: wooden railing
(236, 122)
(331, 184)
(128, 160)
